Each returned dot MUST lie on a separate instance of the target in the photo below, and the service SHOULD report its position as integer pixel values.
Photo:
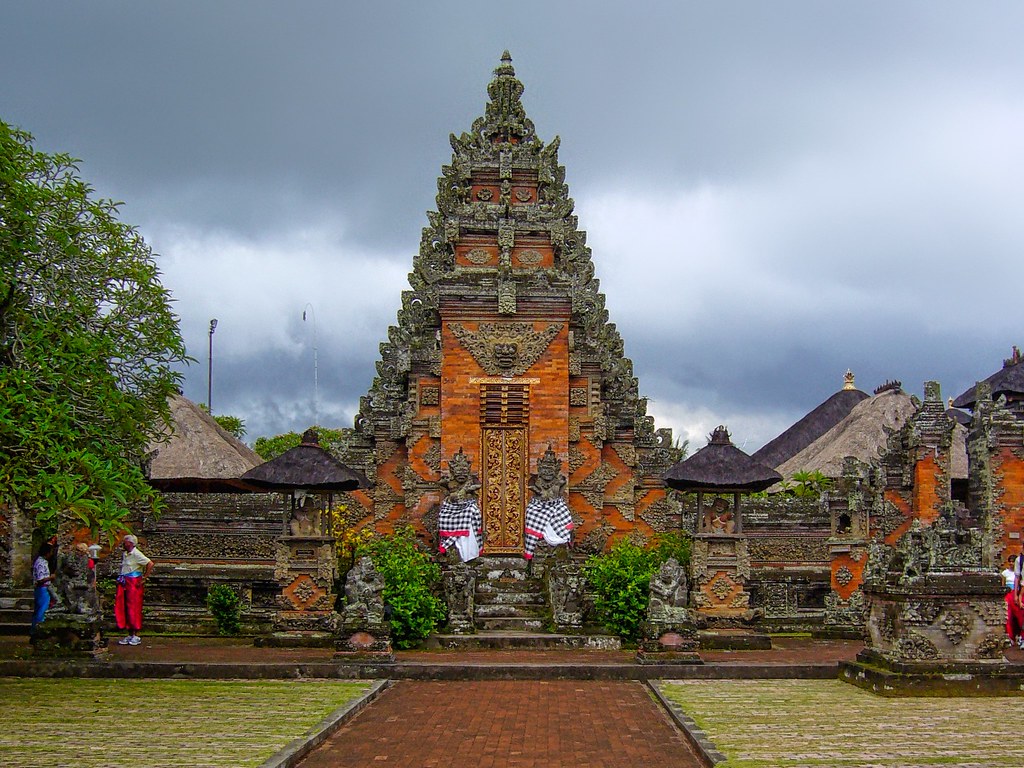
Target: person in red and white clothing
(135, 569)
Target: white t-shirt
(133, 561)
(1009, 578)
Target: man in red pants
(135, 569)
(1014, 608)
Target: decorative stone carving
(669, 634)
(430, 396)
(364, 631)
(459, 587)
(529, 345)
(566, 587)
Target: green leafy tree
(272, 447)
(88, 345)
(231, 424)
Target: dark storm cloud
(774, 192)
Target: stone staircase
(15, 611)
(511, 611)
(508, 598)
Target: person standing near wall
(135, 569)
(41, 581)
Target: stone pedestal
(952, 617)
(306, 568)
(63, 635)
(721, 567)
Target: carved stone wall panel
(795, 549)
(210, 546)
(528, 344)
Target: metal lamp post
(209, 369)
(316, 383)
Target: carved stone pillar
(721, 569)
(849, 506)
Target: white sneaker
(1020, 643)
(125, 641)
(135, 640)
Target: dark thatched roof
(197, 454)
(809, 428)
(720, 466)
(306, 466)
(1009, 381)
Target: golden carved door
(504, 418)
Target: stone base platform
(295, 640)
(884, 678)
(734, 640)
(522, 640)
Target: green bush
(621, 580)
(226, 607)
(410, 578)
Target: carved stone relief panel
(505, 349)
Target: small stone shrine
(935, 615)
(721, 563)
(306, 566)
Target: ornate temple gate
(504, 419)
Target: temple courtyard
(778, 707)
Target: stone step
(494, 586)
(510, 598)
(523, 640)
(498, 610)
(509, 623)
(507, 568)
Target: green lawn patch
(165, 723)
(790, 723)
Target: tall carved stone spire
(504, 119)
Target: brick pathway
(519, 724)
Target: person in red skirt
(1014, 610)
(135, 569)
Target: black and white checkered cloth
(459, 518)
(550, 517)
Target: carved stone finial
(720, 436)
(505, 119)
(848, 380)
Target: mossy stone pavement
(507, 722)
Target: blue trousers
(42, 602)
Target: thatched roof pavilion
(306, 467)
(812, 426)
(198, 454)
(720, 467)
(1008, 382)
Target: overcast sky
(773, 192)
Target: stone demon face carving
(505, 355)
